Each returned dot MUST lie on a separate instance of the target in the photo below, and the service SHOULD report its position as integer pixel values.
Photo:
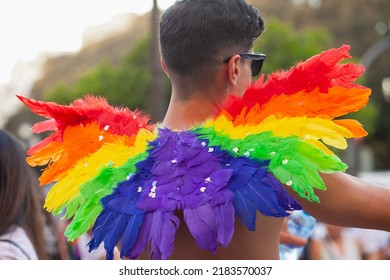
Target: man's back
(245, 245)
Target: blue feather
(103, 222)
(243, 171)
(254, 188)
(118, 211)
(142, 239)
(245, 208)
(286, 201)
(114, 233)
(130, 235)
(265, 198)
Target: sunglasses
(257, 61)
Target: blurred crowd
(330, 242)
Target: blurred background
(60, 50)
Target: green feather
(93, 191)
(293, 161)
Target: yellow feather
(328, 131)
(308, 129)
(110, 154)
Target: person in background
(373, 243)
(287, 237)
(22, 220)
(331, 242)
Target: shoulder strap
(17, 246)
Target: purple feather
(142, 240)
(224, 215)
(163, 233)
(202, 225)
(158, 230)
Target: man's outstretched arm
(350, 201)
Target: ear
(164, 66)
(234, 69)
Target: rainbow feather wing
(130, 180)
(289, 119)
(184, 172)
(94, 146)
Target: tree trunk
(157, 94)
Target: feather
(114, 172)
(133, 250)
(302, 171)
(48, 125)
(224, 216)
(322, 71)
(265, 198)
(339, 101)
(102, 224)
(158, 230)
(245, 208)
(115, 232)
(306, 128)
(65, 155)
(254, 191)
(119, 217)
(285, 200)
(90, 109)
(133, 232)
(162, 234)
(94, 190)
(202, 225)
(67, 189)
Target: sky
(31, 27)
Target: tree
(284, 46)
(157, 95)
(126, 85)
(359, 23)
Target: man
(206, 48)
(207, 51)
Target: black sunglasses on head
(257, 61)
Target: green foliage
(126, 85)
(284, 46)
(367, 117)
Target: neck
(184, 114)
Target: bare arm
(288, 238)
(351, 202)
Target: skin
(347, 202)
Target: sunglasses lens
(256, 61)
(256, 67)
